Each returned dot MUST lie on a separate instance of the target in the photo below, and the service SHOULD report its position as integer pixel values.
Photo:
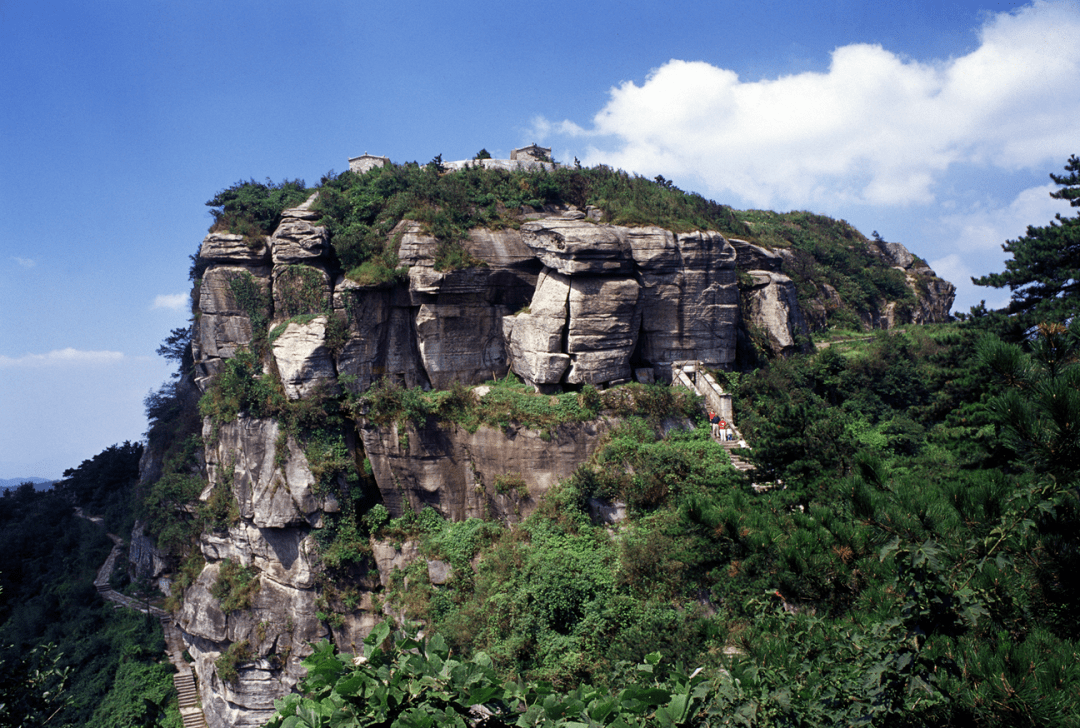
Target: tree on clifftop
(1044, 273)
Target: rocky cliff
(562, 301)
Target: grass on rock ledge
(510, 402)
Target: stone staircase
(184, 679)
(733, 448)
(694, 376)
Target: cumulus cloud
(987, 229)
(978, 234)
(24, 262)
(875, 128)
(62, 357)
(172, 301)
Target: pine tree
(1044, 273)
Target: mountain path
(184, 679)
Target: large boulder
(297, 239)
(232, 249)
(603, 328)
(270, 491)
(303, 361)
(773, 309)
(577, 246)
(536, 335)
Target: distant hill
(39, 483)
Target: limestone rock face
(690, 298)
(773, 308)
(228, 248)
(285, 556)
(575, 247)
(935, 303)
(143, 554)
(536, 337)
(303, 359)
(458, 313)
(268, 494)
(632, 293)
(755, 257)
(603, 328)
(281, 621)
(380, 341)
(297, 240)
(455, 471)
(224, 324)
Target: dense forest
(901, 556)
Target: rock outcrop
(459, 473)
(564, 301)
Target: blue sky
(934, 123)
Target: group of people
(720, 428)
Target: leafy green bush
(254, 208)
(241, 387)
(401, 681)
(300, 290)
(229, 660)
(235, 586)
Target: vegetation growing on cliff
(362, 212)
(508, 401)
(913, 568)
(253, 209)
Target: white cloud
(172, 301)
(977, 234)
(988, 229)
(874, 129)
(24, 262)
(62, 357)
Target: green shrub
(229, 660)
(241, 387)
(301, 290)
(254, 208)
(511, 484)
(235, 587)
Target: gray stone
(381, 342)
(297, 240)
(229, 248)
(302, 359)
(269, 495)
(390, 558)
(453, 470)
(606, 512)
(574, 247)
(754, 257)
(286, 556)
(223, 325)
(439, 572)
(773, 309)
(603, 328)
(536, 343)
(690, 311)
